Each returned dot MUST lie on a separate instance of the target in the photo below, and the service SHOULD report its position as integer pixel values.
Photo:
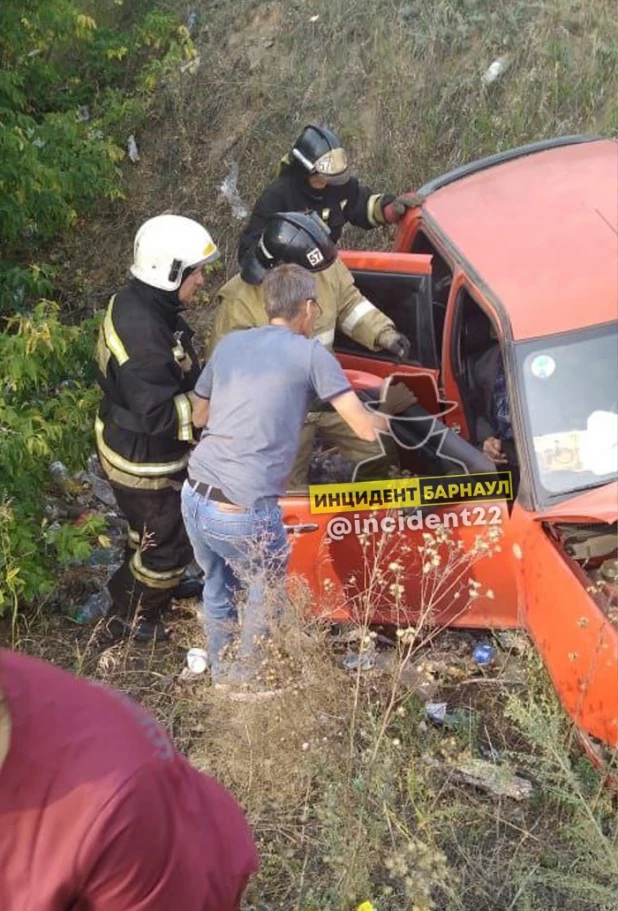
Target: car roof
(540, 231)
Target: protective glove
(398, 398)
(396, 209)
(395, 342)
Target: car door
(399, 284)
(369, 566)
(569, 616)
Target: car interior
(399, 296)
(473, 339)
(442, 277)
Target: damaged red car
(518, 250)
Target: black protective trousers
(158, 553)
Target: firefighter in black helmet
(315, 177)
(302, 238)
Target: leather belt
(213, 493)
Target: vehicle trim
(481, 164)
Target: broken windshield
(570, 397)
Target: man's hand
(395, 342)
(397, 398)
(493, 450)
(396, 209)
(199, 410)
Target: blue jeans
(239, 552)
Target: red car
(522, 248)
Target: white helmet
(167, 245)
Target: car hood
(597, 505)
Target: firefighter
(314, 177)
(301, 238)
(147, 368)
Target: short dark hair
(286, 288)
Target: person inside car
(493, 428)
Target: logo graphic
(411, 492)
(315, 257)
(420, 429)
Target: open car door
(346, 559)
(399, 284)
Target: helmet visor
(333, 167)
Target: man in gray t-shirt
(252, 398)
(261, 383)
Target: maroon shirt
(98, 812)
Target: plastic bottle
(483, 654)
(59, 472)
(94, 608)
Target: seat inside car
(477, 339)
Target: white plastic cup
(197, 660)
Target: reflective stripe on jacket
(241, 306)
(350, 203)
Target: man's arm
(332, 385)
(200, 409)
(480, 396)
(200, 397)
(364, 424)
(365, 209)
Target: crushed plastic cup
(365, 662)
(495, 70)
(197, 660)
(483, 654)
(436, 711)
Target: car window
(398, 295)
(570, 388)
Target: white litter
(132, 148)
(192, 66)
(495, 70)
(197, 660)
(229, 191)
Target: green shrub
(74, 83)
(76, 78)
(47, 407)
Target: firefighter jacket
(145, 366)
(343, 307)
(336, 205)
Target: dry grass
(334, 779)
(401, 81)
(351, 793)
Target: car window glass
(571, 398)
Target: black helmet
(290, 237)
(319, 151)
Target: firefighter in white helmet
(146, 367)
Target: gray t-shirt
(260, 383)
